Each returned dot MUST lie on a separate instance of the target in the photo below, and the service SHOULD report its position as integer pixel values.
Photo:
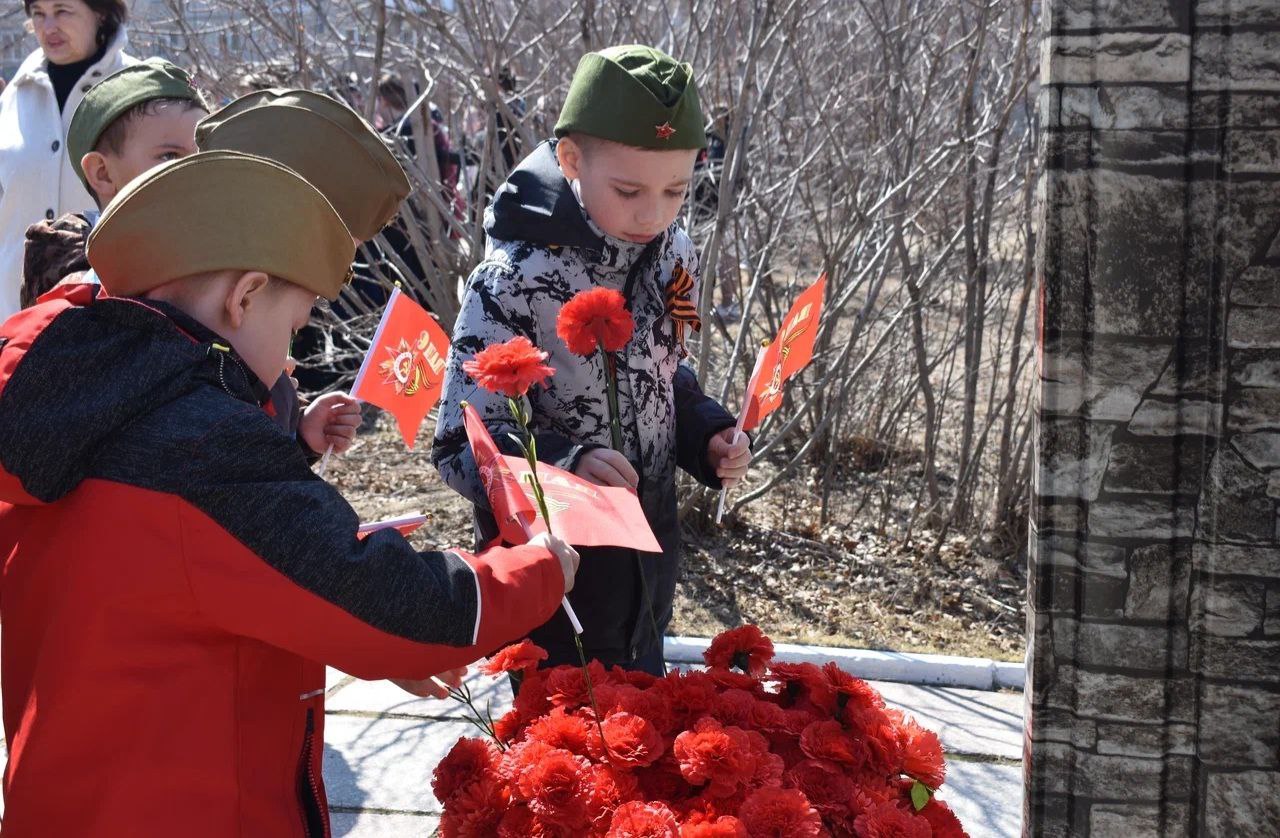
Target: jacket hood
(536, 204)
(74, 372)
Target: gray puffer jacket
(542, 251)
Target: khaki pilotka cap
(321, 139)
(215, 211)
(110, 98)
(634, 95)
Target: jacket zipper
(315, 817)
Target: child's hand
(431, 687)
(331, 419)
(606, 467)
(567, 555)
(290, 367)
(730, 459)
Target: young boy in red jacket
(176, 577)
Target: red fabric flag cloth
(511, 507)
(583, 514)
(403, 371)
(790, 352)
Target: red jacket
(175, 578)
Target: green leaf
(920, 795)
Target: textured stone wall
(1154, 684)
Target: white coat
(37, 182)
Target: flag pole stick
(564, 600)
(742, 418)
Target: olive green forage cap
(107, 100)
(321, 139)
(215, 211)
(635, 95)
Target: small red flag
(403, 371)
(583, 514)
(512, 508)
(790, 352)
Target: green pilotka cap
(220, 210)
(110, 98)
(321, 139)
(634, 95)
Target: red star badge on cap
(665, 131)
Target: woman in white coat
(81, 42)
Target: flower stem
(611, 388)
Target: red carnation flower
(891, 820)
(475, 812)
(921, 754)
(520, 822)
(638, 819)
(608, 788)
(594, 319)
(714, 754)
(556, 788)
(507, 726)
(942, 820)
(561, 730)
(520, 758)
(518, 657)
(829, 740)
(700, 826)
(735, 707)
(567, 686)
(745, 648)
(509, 368)
(828, 788)
(780, 813)
(469, 761)
(633, 741)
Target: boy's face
(256, 314)
(261, 320)
(169, 133)
(631, 193)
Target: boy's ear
(244, 293)
(569, 153)
(97, 173)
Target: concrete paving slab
(380, 825)
(967, 721)
(987, 797)
(385, 763)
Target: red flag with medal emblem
(403, 371)
(583, 514)
(790, 352)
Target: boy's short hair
(116, 135)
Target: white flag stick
(401, 521)
(564, 601)
(742, 417)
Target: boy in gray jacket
(596, 207)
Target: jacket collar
(35, 69)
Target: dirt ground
(843, 583)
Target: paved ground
(382, 744)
